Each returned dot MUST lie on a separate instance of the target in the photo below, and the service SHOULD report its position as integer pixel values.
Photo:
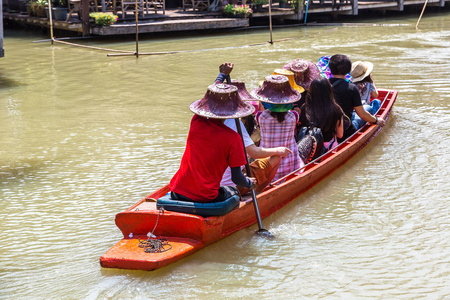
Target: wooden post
(50, 17)
(137, 29)
(355, 7)
(400, 5)
(270, 21)
(85, 17)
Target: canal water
(84, 136)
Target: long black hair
(362, 85)
(279, 115)
(320, 107)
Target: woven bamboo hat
(290, 76)
(221, 101)
(276, 90)
(305, 71)
(360, 70)
(245, 95)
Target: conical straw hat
(221, 101)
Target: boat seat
(196, 208)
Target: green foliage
(296, 5)
(234, 10)
(103, 19)
(260, 2)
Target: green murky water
(84, 136)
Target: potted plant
(37, 8)
(103, 19)
(238, 11)
(59, 9)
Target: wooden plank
(171, 25)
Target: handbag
(310, 143)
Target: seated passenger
(324, 68)
(347, 95)
(211, 147)
(266, 159)
(305, 72)
(321, 110)
(277, 123)
(362, 78)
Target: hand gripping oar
(261, 231)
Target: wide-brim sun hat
(305, 71)
(276, 90)
(360, 70)
(222, 101)
(290, 76)
(242, 90)
(245, 95)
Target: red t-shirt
(210, 148)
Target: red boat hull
(189, 233)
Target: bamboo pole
(270, 21)
(423, 10)
(137, 30)
(51, 19)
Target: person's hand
(226, 68)
(380, 122)
(284, 151)
(254, 182)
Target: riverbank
(182, 20)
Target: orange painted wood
(190, 233)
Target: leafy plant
(37, 8)
(103, 19)
(260, 2)
(231, 9)
(296, 5)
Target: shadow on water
(6, 82)
(11, 171)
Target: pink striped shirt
(274, 134)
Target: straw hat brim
(369, 70)
(292, 99)
(198, 108)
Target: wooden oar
(261, 231)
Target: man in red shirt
(211, 147)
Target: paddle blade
(265, 234)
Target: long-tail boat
(183, 234)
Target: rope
(153, 245)
(91, 47)
(199, 50)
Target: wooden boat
(187, 233)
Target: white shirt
(226, 179)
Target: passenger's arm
(225, 70)
(259, 152)
(239, 178)
(340, 128)
(374, 94)
(365, 116)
